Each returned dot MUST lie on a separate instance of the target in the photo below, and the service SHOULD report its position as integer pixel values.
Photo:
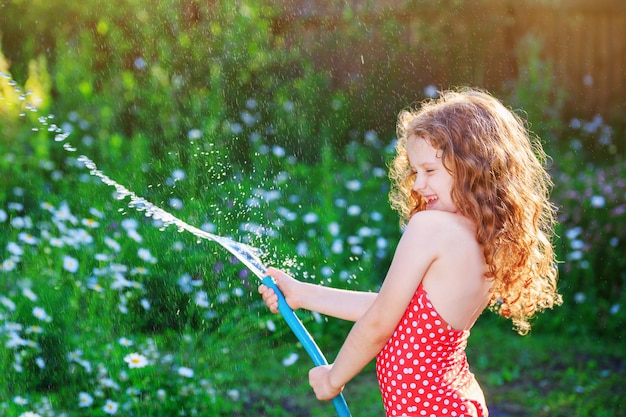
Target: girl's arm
(417, 251)
(342, 304)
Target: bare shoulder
(443, 227)
(455, 281)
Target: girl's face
(432, 180)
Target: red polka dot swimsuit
(423, 370)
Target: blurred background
(271, 122)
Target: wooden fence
(477, 42)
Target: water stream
(248, 255)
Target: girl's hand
(288, 286)
(319, 379)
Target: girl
(472, 192)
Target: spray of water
(248, 255)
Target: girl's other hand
(288, 286)
(319, 379)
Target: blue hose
(306, 340)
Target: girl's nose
(419, 183)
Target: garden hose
(306, 340)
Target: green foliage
(207, 112)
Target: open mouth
(430, 200)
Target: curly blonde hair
(500, 183)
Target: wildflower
(186, 283)
(176, 203)
(19, 400)
(573, 232)
(134, 235)
(145, 255)
(96, 213)
(201, 299)
(614, 309)
(430, 91)
(302, 248)
(337, 246)
(286, 213)
(64, 214)
(8, 265)
(597, 201)
(56, 242)
(289, 106)
(354, 210)
(15, 207)
(109, 383)
(40, 363)
(333, 228)
(290, 360)
(29, 414)
(310, 218)
(93, 285)
(75, 355)
(80, 236)
(139, 270)
(278, 151)
(353, 185)
(251, 103)
(15, 341)
(3, 216)
(125, 342)
(84, 400)
(575, 256)
(575, 123)
(376, 216)
(326, 271)
(101, 257)
(378, 172)
(90, 223)
(579, 297)
(185, 372)
(70, 264)
(145, 303)
(18, 222)
(577, 244)
(129, 224)
(120, 282)
(194, 134)
(233, 394)
(235, 128)
(136, 360)
(223, 298)
(40, 313)
(28, 238)
(371, 138)
(85, 364)
(15, 249)
(356, 250)
(161, 394)
(110, 407)
(178, 174)
(247, 117)
(112, 244)
(8, 303)
(34, 329)
(28, 293)
(209, 227)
